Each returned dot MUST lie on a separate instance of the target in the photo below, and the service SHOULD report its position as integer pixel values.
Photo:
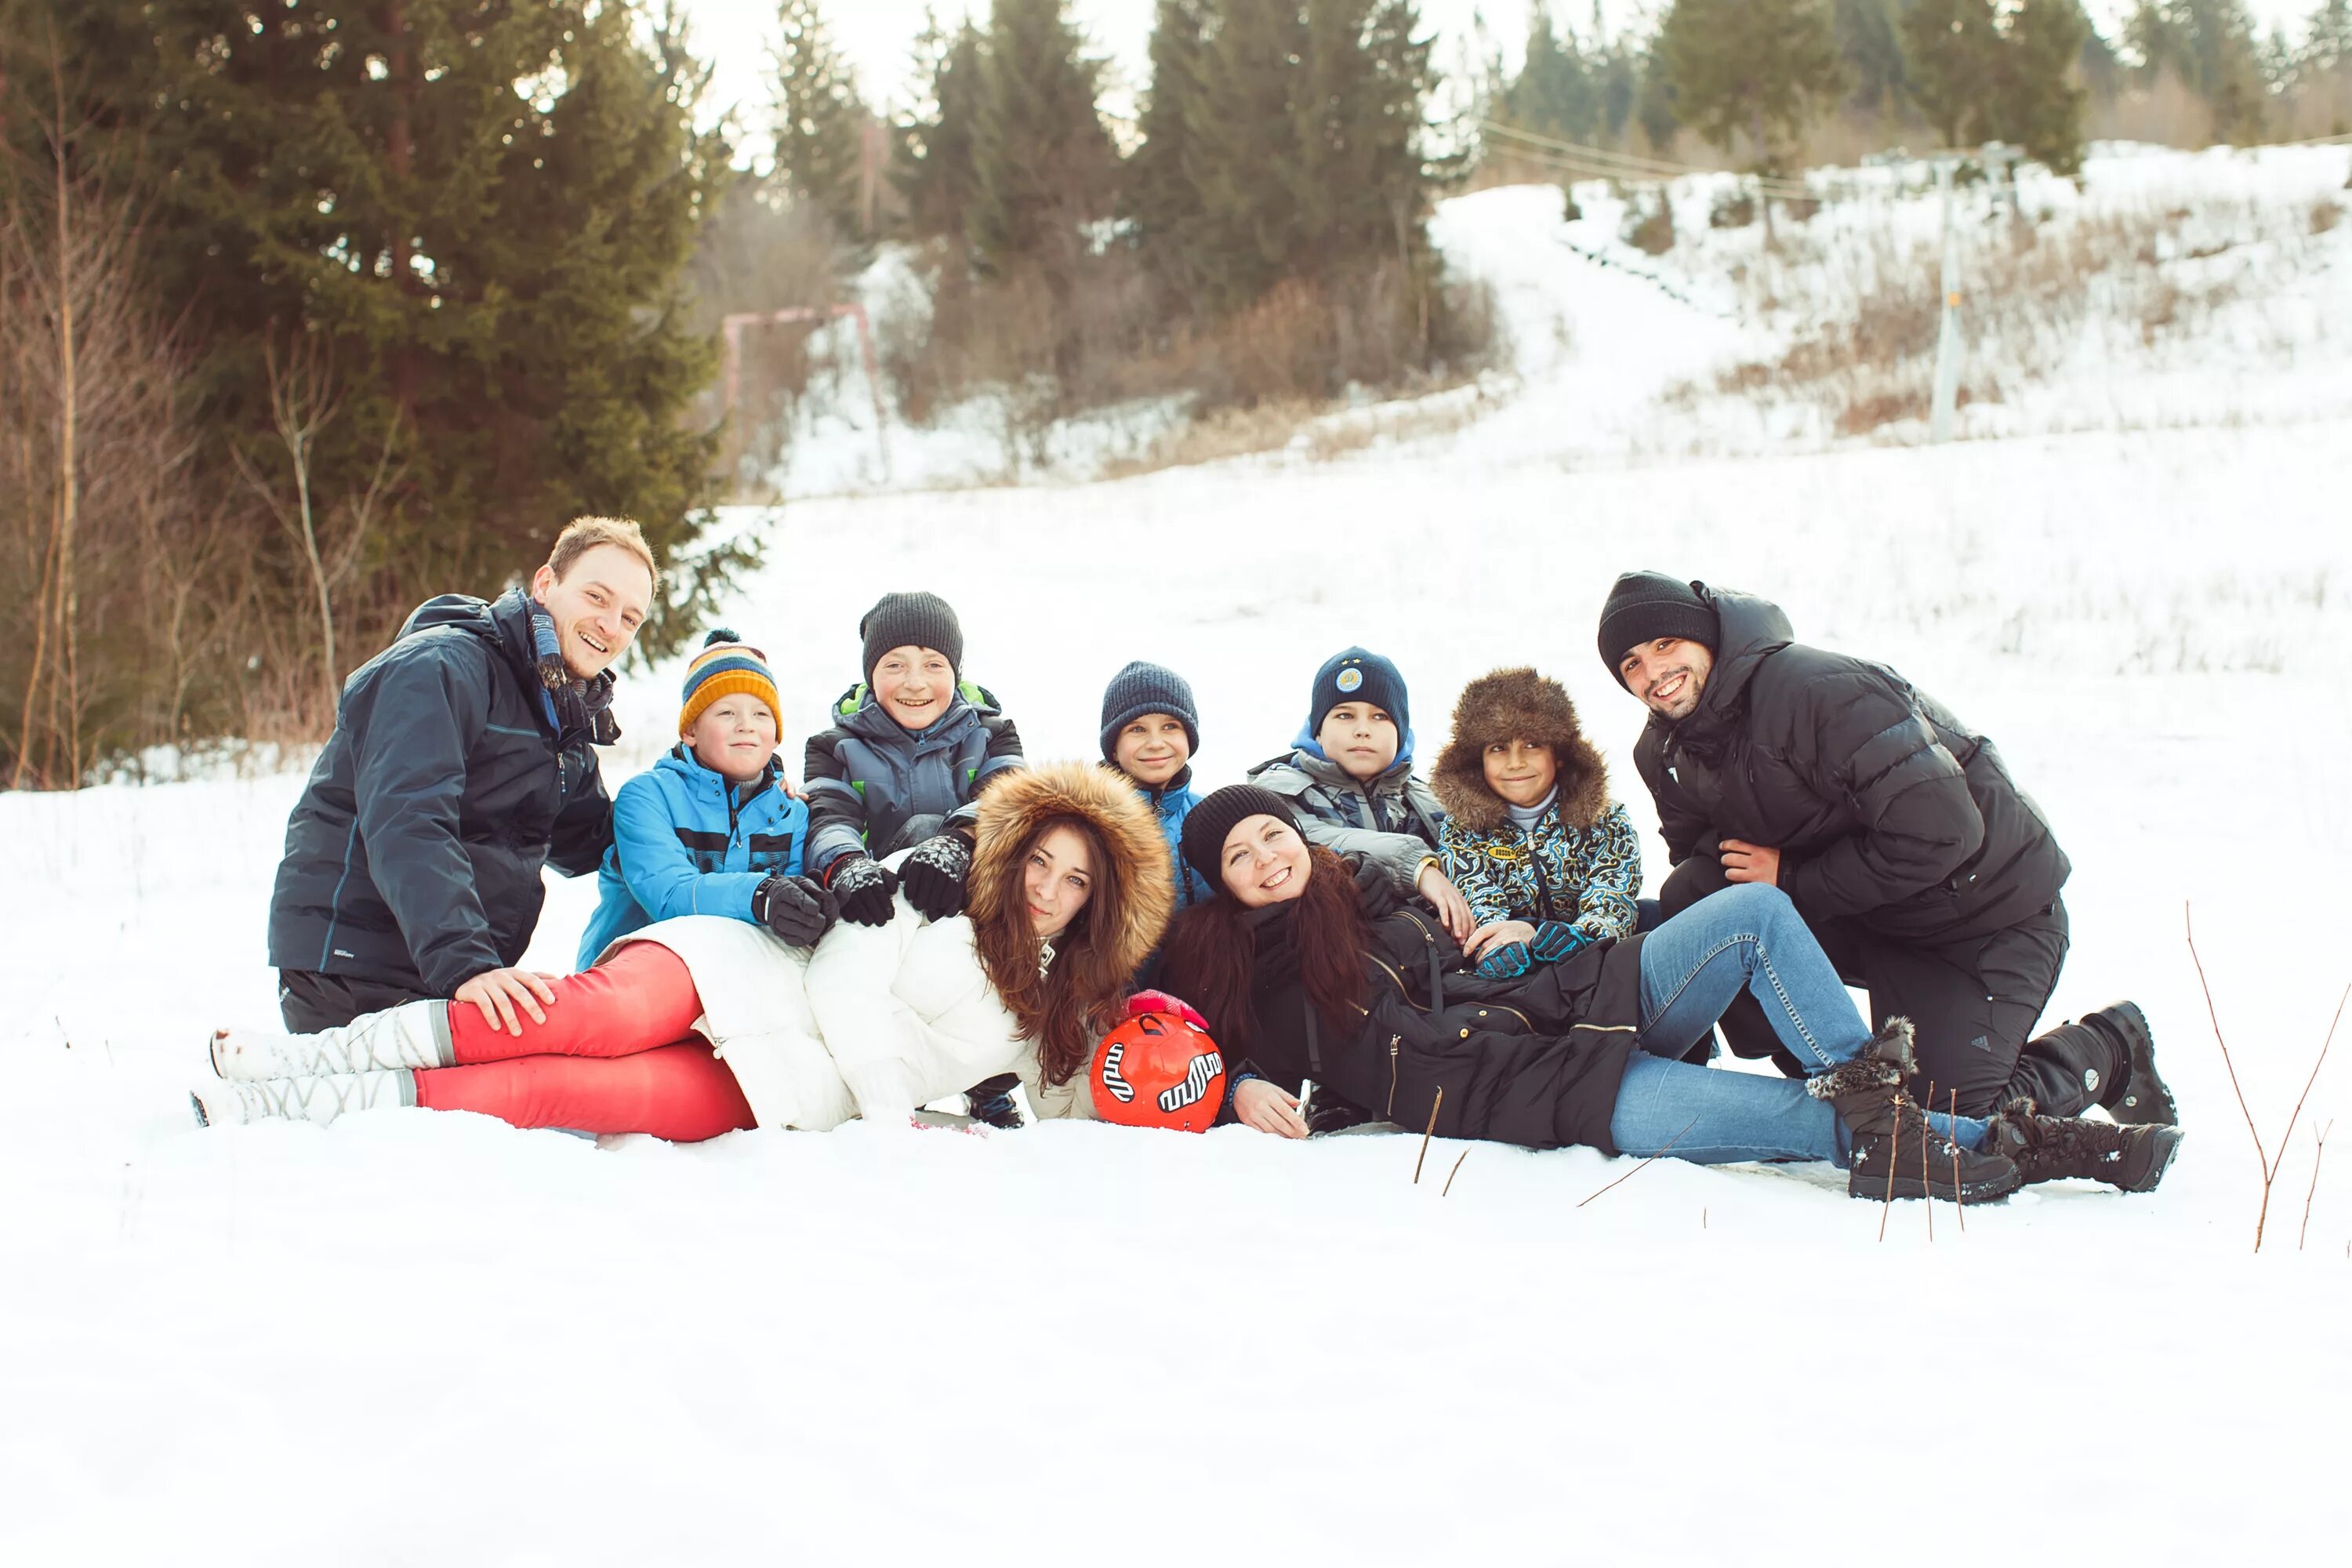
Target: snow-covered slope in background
(418, 1336)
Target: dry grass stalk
(1448, 1187)
(2268, 1165)
(1429, 1132)
(2319, 1136)
(1959, 1202)
(1659, 1155)
(1925, 1192)
(1891, 1153)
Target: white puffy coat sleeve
(875, 1037)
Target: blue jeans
(1748, 937)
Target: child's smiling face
(734, 737)
(914, 685)
(1361, 739)
(1153, 749)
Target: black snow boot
(1888, 1131)
(991, 1101)
(2052, 1148)
(2140, 1096)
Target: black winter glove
(1376, 896)
(933, 874)
(1555, 939)
(1508, 962)
(794, 908)
(863, 888)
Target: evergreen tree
(1159, 195)
(1554, 91)
(1764, 69)
(484, 211)
(1654, 98)
(820, 121)
(1043, 162)
(2327, 40)
(1303, 143)
(1869, 40)
(1953, 47)
(2209, 45)
(931, 165)
(2036, 101)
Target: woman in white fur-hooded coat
(1069, 891)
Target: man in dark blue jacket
(461, 762)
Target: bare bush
(125, 570)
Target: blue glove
(1508, 962)
(1556, 939)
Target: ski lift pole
(1944, 404)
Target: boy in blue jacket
(1150, 731)
(711, 829)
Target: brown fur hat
(1517, 704)
(1016, 804)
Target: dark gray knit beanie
(1642, 605)
(911, 620)
(1141, 689)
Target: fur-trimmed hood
(1518, 703)
(1018, 803)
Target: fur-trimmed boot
(413, 1035)
(319, 1099)
(2052, 1148)
(1888, 1131)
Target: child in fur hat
(1547, 860)
(713, 828)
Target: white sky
(879, 35)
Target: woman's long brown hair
(1212, 960)
(1081, 993)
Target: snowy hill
(417, 1336)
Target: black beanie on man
(1207, 823)
(1142, 688)
(911, 620)
(1643, 606)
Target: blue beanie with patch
(1356, 676)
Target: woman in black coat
(1306, 972)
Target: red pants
(617, 1054)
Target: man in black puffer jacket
(1930, 878)
(461, 762)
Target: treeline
(310, 310)
(1258, 231)
(1779, 83)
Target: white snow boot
(413, 1035)
(319, 1099)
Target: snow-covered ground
(416, 1336)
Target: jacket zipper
(1394, 1041)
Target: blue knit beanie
(1141, 689)
(1356, 676)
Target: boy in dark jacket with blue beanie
(1350, 782)
(1150, 730)
(711, 828)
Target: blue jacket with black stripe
(867, 778)
(686, 843)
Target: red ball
(1157, 1071)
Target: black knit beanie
(1357, 676)
(1141, 689)
(911, 620)
(1206, 824)
(1646, 604)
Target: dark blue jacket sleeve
(409, 749)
